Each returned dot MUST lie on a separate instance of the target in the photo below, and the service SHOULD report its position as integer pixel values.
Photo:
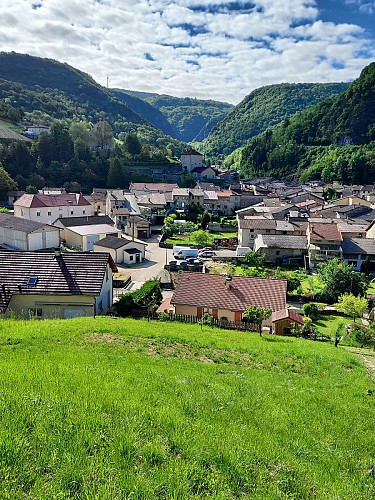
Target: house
(278, 248)
(90, 220)
(47, 208)
(356, 250)
(225, 297)
(190, 160)
(34, 131)
(13, 196)
(122, 250)
(83, 237)
(181, 198)
(119, 205)
(55, 284)
(324, 242)
(250, 227)
(22, 234)
(137, 227)
(98, 200)
(204, 173)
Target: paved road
(152, 267)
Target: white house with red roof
(46, 208)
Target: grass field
(125, 409)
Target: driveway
(152, 267)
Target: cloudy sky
(208, 49)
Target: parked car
(173, 263)
(186, 252)
(206, 254)
(205, 248)
(183, 264)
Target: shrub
(311, 310)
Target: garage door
(91, 240)
(73, 313)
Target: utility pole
(107, 82)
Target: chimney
(228, 281)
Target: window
(49, 212)
(251, 230)
(35, 312)
(84, 211)
(21, 211)
(131, 257)
(38, 214)
(72, 212)
(32, 281)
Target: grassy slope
(112, 408)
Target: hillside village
(57, 240)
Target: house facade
(122, 250)
(54, 284)
(48, 208)
(83, 237)
(190, 160)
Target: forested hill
(47, 89)
(332, 140)
(264, 107)
(191, 119)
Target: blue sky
(209, 49)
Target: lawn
(327, 324)
(311, 284)
(184, 239)
(110, 408)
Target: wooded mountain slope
(334, 136)
(51, 90)
(264, 107)
(191, 119)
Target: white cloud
(203, 48)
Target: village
(69, 255)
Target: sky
(208, 49)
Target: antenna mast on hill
(107, 81)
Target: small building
(34, 131)
(22, 234)
(55, 285)
(137, 227)
(84, 237)
(90, 220)
(356, 250)
(282, 321)
(279, 248)
(324, 242)
(122, 250)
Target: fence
(183, 318)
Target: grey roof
(71, 273)
(257, 223)
(88, 220)
(282, 225)
(112, 242)
(6, 133)
(283, 241)
(358, 246)
(19, 224)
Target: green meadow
(124, 409)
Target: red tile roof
(51, 200)
(213, 291)
(287, 314)
(321, 231)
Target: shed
(122, 250)
(282, 321)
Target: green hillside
(332, 140)
(192, 119)
(46, 89)
(111, 408)
(263, 108)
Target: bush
(311, 310)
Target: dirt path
(368, 358)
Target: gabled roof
(71, 273)
(191, 152)
(199, 170)
(358, 246)
(156, 187)
(281, 241)
(9, 221)
(213, 291)
(257, 223)
(287, 314)
(116, 243)
(321, 231)
(87, 220)
(52, 200)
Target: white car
(206, 254)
